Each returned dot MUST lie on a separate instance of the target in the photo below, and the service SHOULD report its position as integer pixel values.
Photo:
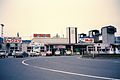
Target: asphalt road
(59, 68)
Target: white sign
(86, 40)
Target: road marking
(66, 72)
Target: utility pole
(2, 30)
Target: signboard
(41, 35)
(12, 40)
(86, 40)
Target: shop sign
(12, 40)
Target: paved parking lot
(59, 68)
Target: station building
(74, 41)
(45, 42)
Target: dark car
(19, 54)
(3, 54)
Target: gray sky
(53, 16)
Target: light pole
(2, 30)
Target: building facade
(82, 43)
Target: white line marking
(23, 62)
(66, 72)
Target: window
(98, 48)
(11, 47)
(42, 47)
(29, 47)
(37, 47)
(91, 48)
(16, 48)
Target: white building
(71, 34)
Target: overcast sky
(53, 16)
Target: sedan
(19, 54)
(68, 53)
(57, 53)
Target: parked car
(10, 54)
(3, 54)
(43, 53)
(48, 53)
(33, 54)
(19, 54)
(68, 52)
(57, 53)
(77, 53)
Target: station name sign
(12, 40)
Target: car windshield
(57, 51)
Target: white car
(77, 53)
(3, 54)
(68, 52)
(57, 53)
(43, 54)
(32, 54)
(17, 53)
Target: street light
(2, 30)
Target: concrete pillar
(45, 48)
(72, 49)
